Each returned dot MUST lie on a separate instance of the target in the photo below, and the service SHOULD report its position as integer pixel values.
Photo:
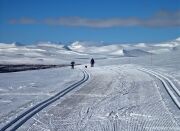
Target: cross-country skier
(92, 62)
(72, 64)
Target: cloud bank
(160, 19)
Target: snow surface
(120, 95)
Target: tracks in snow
(168, 84)
(21, 119)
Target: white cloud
(160, 19)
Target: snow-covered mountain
(93, 49)
(170, 44)
(51, 52)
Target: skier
(92, 62)
(72, 64)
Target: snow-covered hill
(53, 53)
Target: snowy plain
(123, 92)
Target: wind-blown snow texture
(125, 91)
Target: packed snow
(133, 87)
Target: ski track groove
(21, 119)
(168, 76)
(165, 81)
(169, 81)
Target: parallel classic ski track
(168, 84)
(21, 119)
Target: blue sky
(124, 21)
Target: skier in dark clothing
(72, 64)
(92, 62)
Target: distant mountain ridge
(48, 49)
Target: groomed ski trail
(22, 118)
(118, 98)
